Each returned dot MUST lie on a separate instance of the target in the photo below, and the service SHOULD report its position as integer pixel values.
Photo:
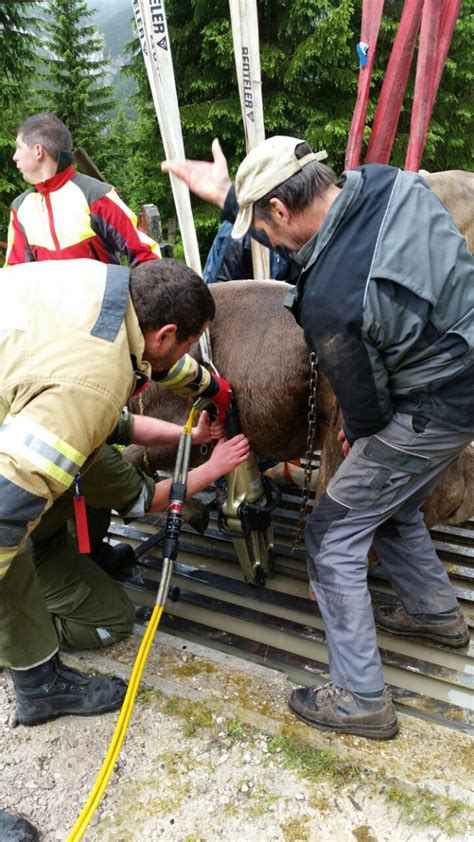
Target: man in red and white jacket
(66, 214)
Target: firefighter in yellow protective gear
(70, 356)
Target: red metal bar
(425, 73)
(389, 105)
(449, 15)
(371, 16)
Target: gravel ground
(212, 753)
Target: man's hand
(206, 430)
(341, 436)
(208, 180)
(228, 453)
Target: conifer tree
(19, 26)
(76, 76)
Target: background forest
(81, 60)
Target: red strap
(287, 473)
(389, 105)
(80, 516)
(449, 15)
(371, 17)
(423, 96)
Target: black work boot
(332, 708)
(16, 829)
(53, 689)
(449, 628)
(112, 559)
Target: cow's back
(455, 188)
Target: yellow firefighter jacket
(66, 372)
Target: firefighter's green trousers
(54, 596)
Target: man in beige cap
(386, 300)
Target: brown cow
(260, 349)
(455, 188)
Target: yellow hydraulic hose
(118, 736)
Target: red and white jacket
(72, 215)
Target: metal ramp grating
(280, 627)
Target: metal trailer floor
(278, 626)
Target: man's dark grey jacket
(386, 299)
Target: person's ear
(280, 212)
(165, 334)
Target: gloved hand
(220, 393)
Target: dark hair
(49, 131)
(169, 292)
(298, 191)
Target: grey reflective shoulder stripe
(114, 303)
(18, 507)
(52, 455)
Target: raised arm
(208, 180)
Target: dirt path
(212, 753)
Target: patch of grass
(196, 716)
(421, 807)
(236, 730)
(147, 693)
(260, 802)
(309, 762)
(174, 763)
(172, 706)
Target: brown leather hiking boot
(332, 708)
(394, 619)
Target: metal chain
(308, 469)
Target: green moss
(309, 762)
(297, 829)
(364, 833)
(174, 762)
(319, 802)
(420, 807)
(193, 666)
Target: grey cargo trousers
(375, 497)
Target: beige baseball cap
(264, 168)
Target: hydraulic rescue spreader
(245, 514)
